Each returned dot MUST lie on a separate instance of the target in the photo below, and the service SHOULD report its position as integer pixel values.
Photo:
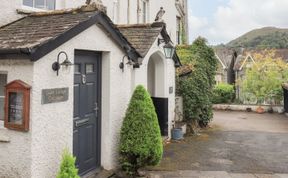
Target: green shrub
(67, 168)
(223, 93)
(141, 141)
(196, 88)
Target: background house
(233, 65)
(226, 61)
(31, 44)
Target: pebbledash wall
(37, 153)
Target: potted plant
(260, 109)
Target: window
(41, 4)
(115, 11)
(17, 106)
(3, 82)
(145, 11)
(178, 30)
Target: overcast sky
(221, 21)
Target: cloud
(238, 17)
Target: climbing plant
(196, 87)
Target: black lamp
(169, 50)
(56, 65)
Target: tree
(67, 168)
(265, 78)
(141, 141)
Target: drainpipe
(128, 12)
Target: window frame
(18, 86)
(145, 11)
(178, 30)
(3, 97)
(34, 5)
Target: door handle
(96, 109)
(81, 122)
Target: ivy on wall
(196, 87)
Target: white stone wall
(15, 155)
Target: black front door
(87, 124)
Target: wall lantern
(57, 65)
(122, 63)
(169, 49)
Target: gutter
(18, 53)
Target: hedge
(223, 93)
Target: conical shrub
(68, 168)
(141, 142)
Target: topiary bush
(141, 141)
(68, 168)
(223, 93)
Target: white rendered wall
(15, 155)
(8, 11)
(169, 80)
(56, 120)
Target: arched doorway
(156, 85)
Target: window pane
(50, 4)
(40, 4)
(77, 68)
(144, 11)
(89, 68)
(2, 100)
(15, 108)
(28, 3)
(3, 82)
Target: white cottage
(51, 104)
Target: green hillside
(268, 37)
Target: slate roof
(225, 55)
(141, 36)
(36, 35)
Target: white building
(48, 107)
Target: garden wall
(235, 107)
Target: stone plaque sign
(171, 90)
(55, 95)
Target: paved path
(237, 145)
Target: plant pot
(177, 134)
(260, 110)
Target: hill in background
(268, 37)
